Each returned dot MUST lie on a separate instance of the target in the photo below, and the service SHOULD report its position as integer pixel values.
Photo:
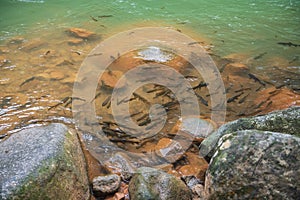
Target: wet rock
(81, 33)
(237, 69)
(252, 164)
(196, 126)
(155, 54)
(283, 121)
(43, 163)
(103, 185)
(197, 166)
(75, 41)
(149, 183)
(120, 164)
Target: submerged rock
(81, 33)
(103, 185)
(43, 163)
(149, 183)
(196, 126)
(155, 54)
(254, 164)
(283, 121)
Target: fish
(252, 76)
(243, 99)
(232, 99)
(260, 56)
(200, 85)
(191, 43)
(294, 59)
(106, 101)
(93, 18)
(147, 121)
(95, 54)
(104, 16)
(288, 44)
(47, 52)
(142, 117)
(202, 100)
(27, 81)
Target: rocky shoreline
(249, 158)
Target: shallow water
(39, 65)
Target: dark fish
(259, 56)
(142, 117)
(112, 57)
(232, 99)
(242, 89)
(141, 98)
(294, 59)
(93, 18)
(200, 85)
(243, 99)
(104, 16)
(202, 100)
(27, 81)
(288, 44)
(162, 93)
(155, 90)
(3, 136)
(47, 52)
(260, 104)
(95, 54)
(251, 76)
(191, 43)
(147, 121)
(137, 113)
(106, 101)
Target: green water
(233, 26)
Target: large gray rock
(151, 184)
(43, 163)
(254, 164)
(283, 121)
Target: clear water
(233, 26)
(245, 28)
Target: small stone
(81, 33)
(108, 184)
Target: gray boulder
(43, 163)
(283, 121)
(254, 164)
(152, 184)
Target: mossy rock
(43, 163)
(152, 184)
(283, 121)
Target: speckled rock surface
(149, 183)
(254, 164)
(106, 184)
(283, 121)
(43, 163)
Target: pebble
(108, 184)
